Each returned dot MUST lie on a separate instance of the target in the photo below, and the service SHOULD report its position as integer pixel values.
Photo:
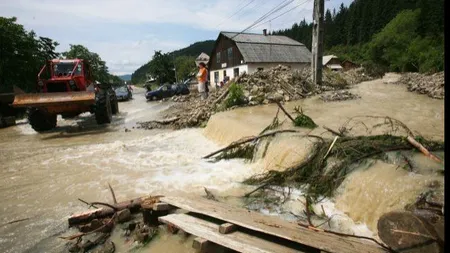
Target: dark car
(167, 90)
(123, 93)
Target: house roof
(327, 58)
(202, 57)
(334, 66)
(269, 48)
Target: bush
(235, 96)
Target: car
(123, 93)
(167, 90)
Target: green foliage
(141, 74)
(22, 54)
(400, 35)
(185, 65)
(161, 67)
(98, 66)
(235, 96)
(303, 120)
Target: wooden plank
(162, 207)
(274, 226)
(227, 228)
(200, 244)
(238, 241)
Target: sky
(126, 33)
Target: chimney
(265, 32)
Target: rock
(255, 89)
(246, 93)
(123, 215)
(338, 96)
(107, 247)
(286, 98)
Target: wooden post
(227, 228)
(317, 42)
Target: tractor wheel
(103, 110)
(41, 121)
(115, 106)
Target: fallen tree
(316, 173)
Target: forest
(23, 53)
(391, 35)
(172, 66)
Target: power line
(236, 12)
(277, 8)
(293, 8)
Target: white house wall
(242, 69)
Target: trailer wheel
(115, 106)
(103, 110)
(40, 120)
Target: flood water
(43, 175)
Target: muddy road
(43, 175)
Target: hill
(193, 50)
(125, 77)
(394, 35)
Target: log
(285, 112)
(406, 232)
(250, 139)
(422, 149)
(86, 217)
(221, 96)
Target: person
(202, 78)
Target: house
(236, 53)
(347, 65)
(331, 62)
(202, 58)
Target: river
(43, 175)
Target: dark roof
(269, 48)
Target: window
(230, 53)
(218, 57)
(236, 72)
(224, 74)
(260, 69)
(216, 76)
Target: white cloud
(93, 23)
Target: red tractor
(66, 87)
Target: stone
(123, 215)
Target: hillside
(193, 50)
(395, 35)
(125, 77)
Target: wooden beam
(209, 231)
(227, 228)
(273, 226)
(162, 207)
(200, 244)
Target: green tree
(388, 46)
(161, 67)
(21, 55)
(98, 66)
(184, 65)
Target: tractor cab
(64, 76)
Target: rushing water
(43, 175)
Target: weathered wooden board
(274, 226)
(238, 241)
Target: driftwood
(422, 149)
(77, 219)
(112, 193)
(221, 96)
(285, 112)
(250, 139)
(333, 131)
(166, 121)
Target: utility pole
(317, 41)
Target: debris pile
(339, 96)
(278, 84)
(432, 85)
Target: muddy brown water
(43, 175)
